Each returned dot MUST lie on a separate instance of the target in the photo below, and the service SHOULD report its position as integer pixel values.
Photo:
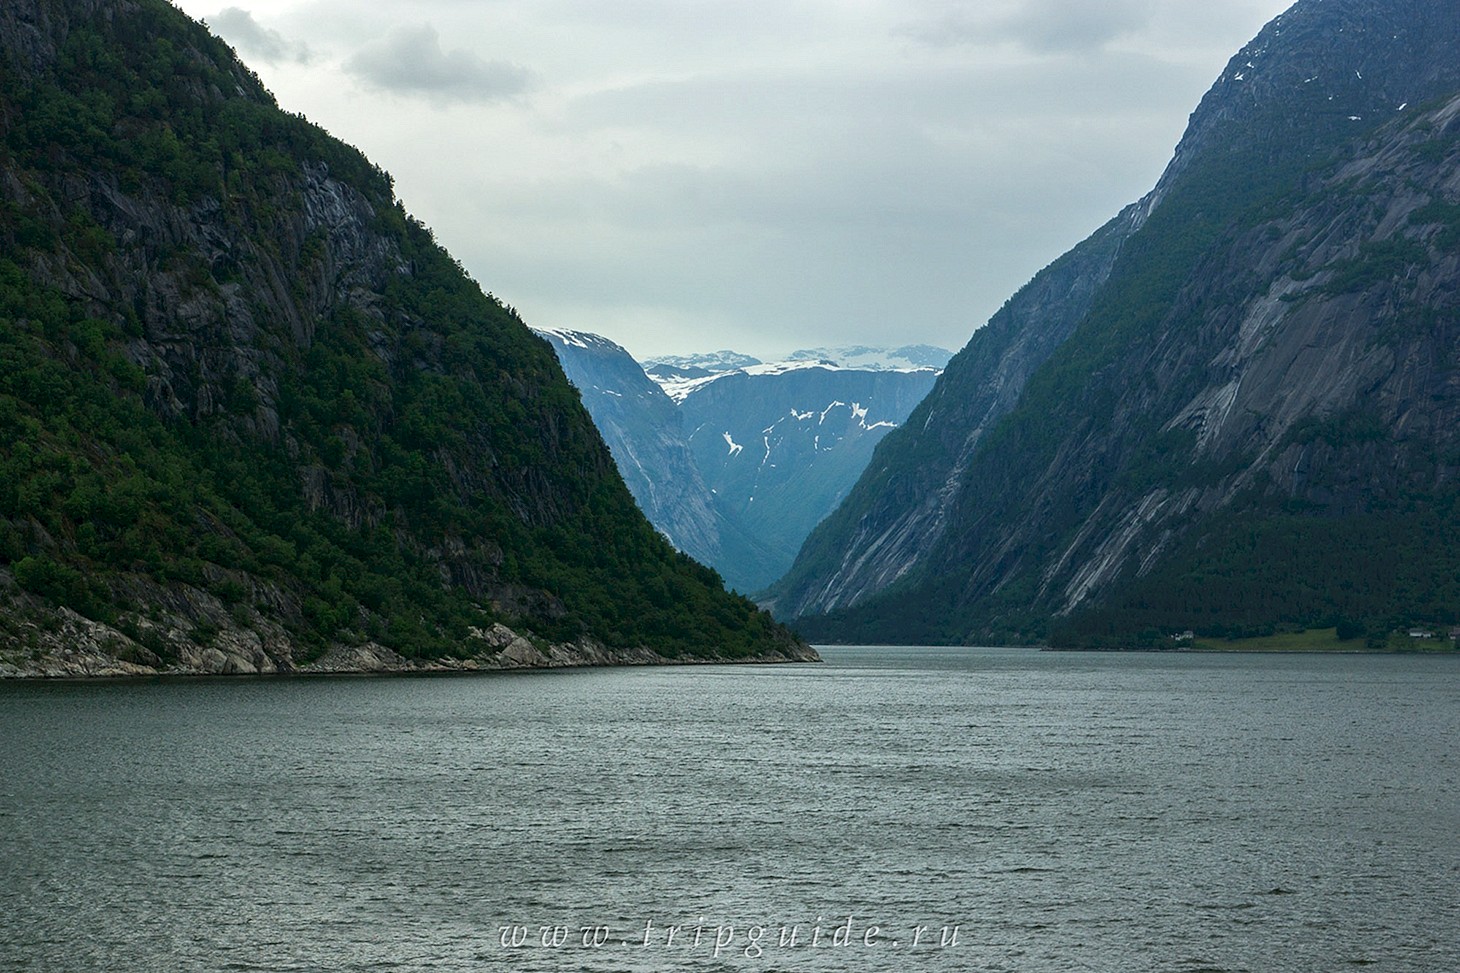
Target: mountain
(668, 369)
(252, 416)
(736, 460)
(898, 510)
(704, 363)
(1233, 408)
(877, 359)
(645, 433)
(780, 444)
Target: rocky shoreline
(180, 630)
(70, 646)
(88, 662)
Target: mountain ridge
(1203, 450)
(680, 430)
(642, 427)
(253, 418)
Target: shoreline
(83, 650)
(431, 670)
(1236, 649)
(122, 672)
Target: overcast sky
(763, 175)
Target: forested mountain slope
(252, 415)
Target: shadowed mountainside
(1233, 408)
(252, 416)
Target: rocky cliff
(896, 513)
(740, 459)
(645, 432)
(1248, 421)
(781, 444)
(253, 418)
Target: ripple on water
(1050, 812)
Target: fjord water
(1063, 812)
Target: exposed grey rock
(742, 460)
(898, 510)
(1317, 286)
(65, 645)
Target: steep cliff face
(897, 511)
(1253, 419)
(781, 444)
(740, 459)
(247, 401)
(645, 432)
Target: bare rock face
(737, 464)
(644, 430)
(1224, 409)
(204, 640)
(898, 511)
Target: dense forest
(234, 371)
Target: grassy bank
(1322, 640)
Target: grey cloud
(1042, 26)
(760, 187)
(847, 239)
(411, 61)
(238, 27)
(853, 198)
(789, 111)
(695, 21)
(1070, 25)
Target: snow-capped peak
(681, 376)
(577, 339)
(867, 358)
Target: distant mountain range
(736, 459)
(863, 357)
(1235, 407)
(645, 433)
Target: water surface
(1057, 812)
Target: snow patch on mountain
(867, 358)
(577, 339)
(680, 376)
(714, 361)
(681, 430)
